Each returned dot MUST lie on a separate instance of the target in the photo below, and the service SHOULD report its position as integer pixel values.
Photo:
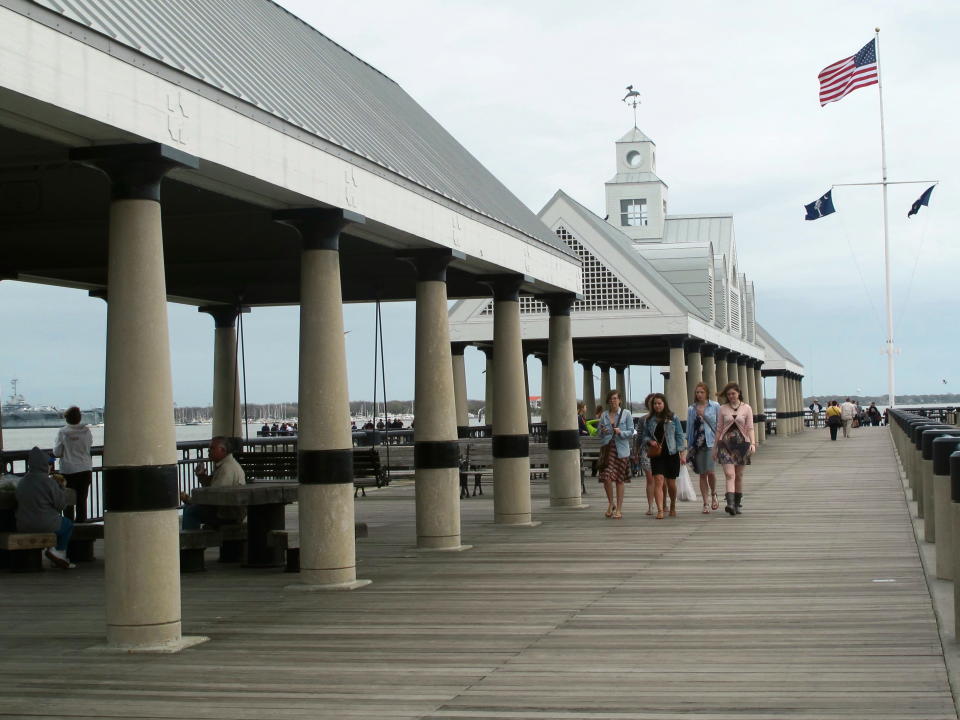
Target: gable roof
(686, 266)
(628, 252)
(262, 55)
(715, 228)
(634, 134)
(770, 342)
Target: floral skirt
(733, 448)
(617, 470)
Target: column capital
(559, 304)
(135, 170)
(457, 348)
(505, 287)
(693, 344)
(773, 373)
(742, 360)
(224, 316)
(732, 356)
(604, 366)
(319, 228)
(677, 341)
(588, 364)
(430, 263)
(708, 349)
(758, 364)
(544, 358)
(721, 352)
(486, 350)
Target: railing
(942, 414)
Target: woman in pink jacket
(735, 443)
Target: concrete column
(227, 421)
(526, 387)
(604, 382)
(792, 390)
(488, 408)
(677, 389)
(435, 450)
(800, 424)
(622, 383)
(665, 374)
(563, 438)
(140, 494)
(758, 407)
(745, 383)
(460, 388)
(511, 432)
(720, 356)
(589, 398)
(694, 367)
(733, 373)
(545, 388)
(325, 446)
(708, 360)
(782, 424)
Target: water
(26, 438)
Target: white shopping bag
(685, 489)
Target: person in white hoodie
(73, 448)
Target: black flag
(922, 200)
(818, 208)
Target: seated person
(226, 473)
(40, 500)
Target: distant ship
(17, 413)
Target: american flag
(845, 76)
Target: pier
(812, 604)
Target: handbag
(605, 450)
(654, 449)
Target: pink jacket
(743, 417)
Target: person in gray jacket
(40, 502)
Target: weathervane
(632, 98)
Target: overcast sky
(729, 94)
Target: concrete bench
(288, 542)
(23, 552)
(232, 538)
(193, 544)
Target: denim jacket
(672, 432)
(710, 414)
(626, 432)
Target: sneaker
(59, 559)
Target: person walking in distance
(616, 428)
(701, 436)
(833, 419)
(848, 411)
(735, 443)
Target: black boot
(731, 505)
(737, 497)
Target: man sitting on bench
(226, 473)
(40, 500)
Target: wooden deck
(812, 604)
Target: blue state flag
(922, 200)
(820, 207)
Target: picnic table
(265, 503)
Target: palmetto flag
(844, 76)
(820, 207)
(922, 200)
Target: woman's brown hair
(667, 414)
(706, 391)
(610, 394)
(722, 395)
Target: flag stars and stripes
(844, 76)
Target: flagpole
(891, 397)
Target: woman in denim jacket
(701, 434)
(664, 428)
(616, 425)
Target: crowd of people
(656, 445)
(846, 416)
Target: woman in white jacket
(73, 448)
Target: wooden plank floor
(775, 614)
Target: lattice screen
(602, 291)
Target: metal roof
(635, 177)
(717, 229)
(685, 266)
(770, 343)
(256, 51)
(627, 248)
(635, 135)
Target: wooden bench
(84, 535)
(288, 542)
(367, 470)
(23, 552)
(193, 544)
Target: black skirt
(666, 465)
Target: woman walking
(667, 447)
(735, 443)
(642, 459)
(834, 421)
(616, 427)
(701, 434)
